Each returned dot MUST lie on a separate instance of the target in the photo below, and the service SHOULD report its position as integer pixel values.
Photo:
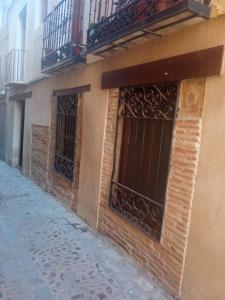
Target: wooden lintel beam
(74, 90)
(20, 97)
(203, 63)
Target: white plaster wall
(34, 33)
(33, 42)
(13, 23)
(32, 69)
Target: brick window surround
(165, 259)
(43, 154)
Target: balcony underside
(103, 40)
(15, 84)
(63, 58)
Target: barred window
(66, 135)
(144, 133)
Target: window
(66, 135)
(144, 133)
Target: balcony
(122, 23)
(62, 38)
(14, 68)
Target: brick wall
(40, 155)
(165, 259)
(42, 159)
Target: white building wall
(13, 39)
(32, 45)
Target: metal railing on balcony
(14, 67)
(62, 38)
(111, 21)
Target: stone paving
(48, 253)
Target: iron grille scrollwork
(141, 167)
(155, 102)
(137, 209)
(64, 166)
(66, 135)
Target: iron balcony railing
(115, 23)
(62, 37)
(14, 67)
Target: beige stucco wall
(201, 36)
(205, 35)
(94, 112)
(205, 263)
(203, 271)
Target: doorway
(18, 133)
(21, 134)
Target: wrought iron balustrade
(14, 67)
(111, 21)
(62, 37)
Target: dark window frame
(126, 198)
(65, 142)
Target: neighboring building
(119, 113)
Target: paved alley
(47, 252)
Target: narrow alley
(47, 252)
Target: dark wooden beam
(21, 97)
(74, 90)
(203, 63)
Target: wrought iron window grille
(143, 143)
(66, 135)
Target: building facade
(117, 109)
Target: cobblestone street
(47, 252)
